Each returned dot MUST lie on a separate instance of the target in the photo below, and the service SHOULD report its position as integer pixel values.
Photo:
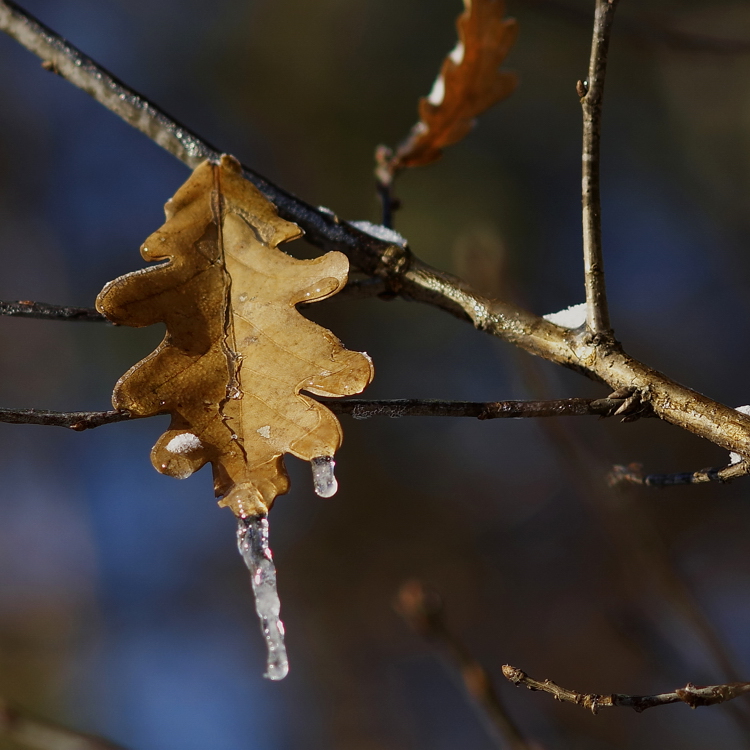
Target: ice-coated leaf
(237, 353)
(469, 83)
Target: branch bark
(592, 93)
(401, 271)
(45, 311)
(361, 409)
(693, 695)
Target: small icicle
(324, 480)
(252, 541)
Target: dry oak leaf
(236, 353)
(469, 83)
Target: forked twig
(423, 610)
(592, 93)
(693, 695)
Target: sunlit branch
(591, 92)
(693, 695)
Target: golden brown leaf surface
(237, 353)
(470, 82)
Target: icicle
(324, 480)
(252, 541)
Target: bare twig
(360, 409)
(423, 610)
(693, 695)
(567, 407)
(28, 309)
(591, 93)
(400, 270)
(19, 727)
(74, 420)
(633, 474)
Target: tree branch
(423, 611)
(591, 93)
(19, 727)
(400, 270)
(74, 420)
(28, 309)
(360, 409)
(633, 474)
(694, 696)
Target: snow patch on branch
(735, 458)
(380, 232)
(571, 317)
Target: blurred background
(124, 607)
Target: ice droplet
(252, 541)
(324, 480)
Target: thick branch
(16, 726)
(423, 610)
(402, 272)
(28, 309)
(694, 696)
(591, 93)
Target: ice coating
(252, 541)
(324, 479)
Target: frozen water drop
(324, 479)
(252, 541)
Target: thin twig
(423, 611)
(45, 311)
(591, 93)
(74, 420)
(565, 407)
(17, 726)
(401, 271)
(693, 695)
(633, 474)
(359, 409)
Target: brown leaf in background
(237, 352)
(469, 83)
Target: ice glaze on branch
(693, 695)
(402, 272)
(44, 311)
